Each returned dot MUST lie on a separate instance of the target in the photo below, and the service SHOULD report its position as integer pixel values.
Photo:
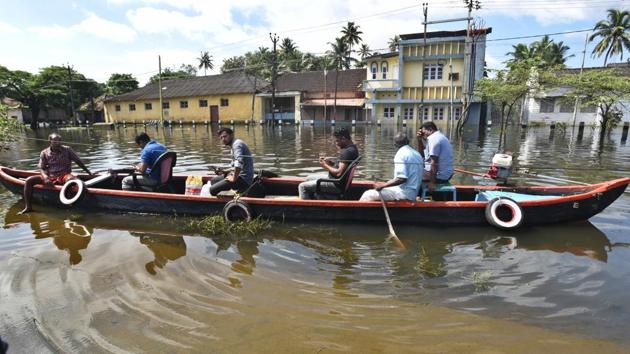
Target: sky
(101, 37)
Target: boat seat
(443, 187)
(164, 164)
(517, 197)
(347, 175)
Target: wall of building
(239, 108)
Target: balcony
(380, 85)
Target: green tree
(606, 89)
(48, 88)
(8, 128)
(614, 33)
(341, 59)
(510, 86)
(117, 84)
(393, 43)
(545, 52)
(205, 62)
(364, 52)
(352, 35)
(290, 56)
(169, 74)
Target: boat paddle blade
(392, 233)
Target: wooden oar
(392, 233)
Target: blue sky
(100, 37)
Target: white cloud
(92, 25)
(8, 28)
(545, 13)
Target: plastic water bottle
(205, 190)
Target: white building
(553, 106)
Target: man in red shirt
(55, 164)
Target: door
(214, 114)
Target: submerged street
(74, 280)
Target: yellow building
(213, 98)
(425, 82)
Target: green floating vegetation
(428, 267)
(217, 226)
(481, 280)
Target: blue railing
(281, 116)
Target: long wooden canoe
(535, 205)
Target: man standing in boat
(335, 168)
(55, 164)
(407, 174)
(241, 174)
(151, 150)
(437, 153)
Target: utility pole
(468, 79)
(425, 12)
(577, 99)
(160, 90)
(74, 115)
(325, 95)
(274, 39)
(450, 94)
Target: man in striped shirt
(55, 165)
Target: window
(457, 112)
(203, 103)
(384, 69)
(588, 109)
(117, 108)
(374, 69)
(566, 106)
(148, 106)
(423, 113)
(547, 104)
(132, 107)
(388, 112)
(225, 102)
(166, 105)
(438, 113)
(183, 104)
(408, 113)
(433, 71)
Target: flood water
(76, 281)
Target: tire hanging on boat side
(81, 191)
(495, 216)
(237, 210)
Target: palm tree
(290, 56)
(205, 62)
(521, 52)
(351, 34)
(614, 33)
(545, 51)
(340, 53)
(288, 45)
(364, 51)
(393, 43)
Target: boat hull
(577, 203)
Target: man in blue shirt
(241, 174)
(407, 174)
(438, 155)
(146, 178)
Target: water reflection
(165, 248)
(67, 235)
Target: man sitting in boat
(55, 164)
(335, 167)
(407, 173)
(150, 152)
(437, 153)
(241, 174)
